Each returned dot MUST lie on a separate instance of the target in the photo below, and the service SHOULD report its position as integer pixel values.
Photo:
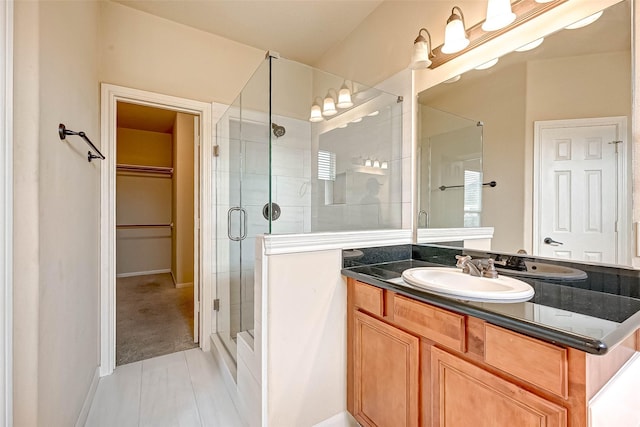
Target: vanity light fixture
(455, 33)
(372, 114)
(487, 64)
(384, 165)
(530, 46)
(329, 105)
(344, 97)
(316, 113)
(367, 162)
(499, 15)
(584, 22)
(376, 163)
(358, 120)
(460, 39)
(422, 52)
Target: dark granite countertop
(592, 314)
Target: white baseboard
(144, 273)
(180, 285)
(86, 406)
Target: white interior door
(577, 188)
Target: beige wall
(133, 53)
(143, 198)
(182, 200)
(56, 307)
(142, 147)
(381, 46)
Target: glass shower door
(242, 189)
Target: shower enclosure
(299, 151)
(449, 170)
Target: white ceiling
(301, 30)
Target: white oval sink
(542, 270)
(452, 282)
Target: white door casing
(581, 190)
(196, 231)
(6, 214)
(110, 96)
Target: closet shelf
(144, 225)
(144, 169)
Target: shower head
(278, 130)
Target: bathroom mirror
(576, 79)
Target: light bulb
(421, 57)
(344, 97)
(499, 15)
(329, 106)
(455, 35)
(316, 114)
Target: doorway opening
(148, 210)
(154, 232)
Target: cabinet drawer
(438, 325)
(539, 363)
(368, 298)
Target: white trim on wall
(110, 95)
(6, 214)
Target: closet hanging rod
(63, 132)
(144, 225)
(140, 168)
(444, 187)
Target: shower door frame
(254, 118)
(110, 96)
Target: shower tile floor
(184, 388)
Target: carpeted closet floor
(152, 317)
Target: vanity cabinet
(385, 374)
(411, 363)
(465, 395)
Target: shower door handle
(243, 222)
(243, 219)
(229, 212)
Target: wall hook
(63, 132)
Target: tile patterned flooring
(179, 389)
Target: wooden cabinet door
(385, 367)
(465, 395)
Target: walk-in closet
(154, 232)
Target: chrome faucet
(477, 267)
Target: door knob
(550, 241)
